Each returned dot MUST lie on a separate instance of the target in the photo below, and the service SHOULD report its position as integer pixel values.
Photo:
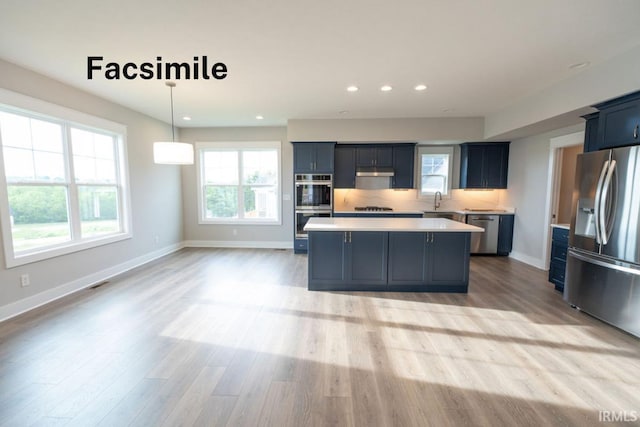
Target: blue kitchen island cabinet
(385, 254)
(349, 260)
(429, 261)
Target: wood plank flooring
(232, 337)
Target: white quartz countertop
(475, 212)
(565, 226)
(393, 212)
(389, 224)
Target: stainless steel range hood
(372, 171)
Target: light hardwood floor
(232, 337)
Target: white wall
(527, 193)
(387, 130)
(271, 236)
(156, 201)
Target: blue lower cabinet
(300, 246)
(558, 264)
(432, 262)
(395, 261)
(343, 260)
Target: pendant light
(172, 153)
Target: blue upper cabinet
(403, 163)
(313, 157)
(619, 122)
(399, 157)
(345, 167)
(374, 155)
(591, 132)
(484, 165)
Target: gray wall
(527, 192)
(156, 200)
(278, 236)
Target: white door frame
(555, 158)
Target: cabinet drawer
(557, 271)
(560, 235)
(559, 251)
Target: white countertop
(565, 226)
(389, 224)
(393, 212)
(476, 212)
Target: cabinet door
(619, 125)
(471, 165)
(327, 259)
(403, 163)
(407, 255)
(344, 175)
(495, 163)
(384, 156)
(591, 132)
(324, 153)
(505, 234)
(368, 257)
(448, 259)
(365, 156)
(303, 157)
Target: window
(63, 184)
(239, 182)
(436, 165)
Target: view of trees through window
(240, 184)
(50, 203)
(434, 173)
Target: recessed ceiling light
(578, 65)
(386, 88)
(420, 87)
(352, 88)
(343, 112)
(187, 118)
(259, 117)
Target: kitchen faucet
(436, 202)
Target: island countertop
(423, 225)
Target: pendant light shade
(172, 153)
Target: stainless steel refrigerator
(603, 261)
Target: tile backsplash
(401, 200)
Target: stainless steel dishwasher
(487, 242)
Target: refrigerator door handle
(598, 201)
(604, 218)
(600, 263)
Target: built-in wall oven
(314, 192)
(303, 216)
(314, 198)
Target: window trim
(35, 108)
(434, 149)
(240, 146)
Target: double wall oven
(314, 198)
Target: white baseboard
(18, 307)
(258, 244)
(527, 259)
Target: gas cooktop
(373, 208)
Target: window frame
(26, 106)
(239, 146)
(435, 149)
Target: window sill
(236, 221)
(28, 258)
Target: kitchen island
(389, 254)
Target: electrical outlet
(24, 280)
(156, 239)
(235, 232)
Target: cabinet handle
(432, 236)
(345, 237)
(635, 132)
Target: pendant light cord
(173, 134)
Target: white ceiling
(293, 59)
